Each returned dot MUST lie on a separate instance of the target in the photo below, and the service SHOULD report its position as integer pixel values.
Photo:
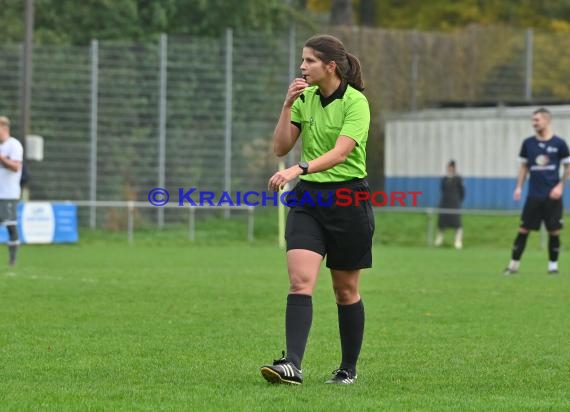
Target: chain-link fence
(119, 118)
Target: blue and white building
(485, 143)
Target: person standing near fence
(327, 108)
(452, 195)
(541, 155)
(11, 156)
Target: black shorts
(448, 220)
(321, 220)
(537, 210)
(8, 211)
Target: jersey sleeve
(564, 153)
(461, 188)
(296, 112)
(356, 120)
(16, 152)
(523, 154)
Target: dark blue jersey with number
(543, 158)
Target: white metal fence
(132, 207)
(132, 211)
(121, 118)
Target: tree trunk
(341, 13)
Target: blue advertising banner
(44, 222)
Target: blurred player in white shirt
(11, 156)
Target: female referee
(325, 107)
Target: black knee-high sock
(12, 250)
(298, 319)
(351, 328)
(519, 245)
(13, 243)
(553, 247)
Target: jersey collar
(337, 94)
(541, 139)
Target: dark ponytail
(354, 73)
(328, 48)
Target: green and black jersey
(322, 120)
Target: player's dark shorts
(448, 220)
(342, 233)
(537, 210)
(8, 211)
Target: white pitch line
(52, 278)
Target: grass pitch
(176, 326)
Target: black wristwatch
(304, 166)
